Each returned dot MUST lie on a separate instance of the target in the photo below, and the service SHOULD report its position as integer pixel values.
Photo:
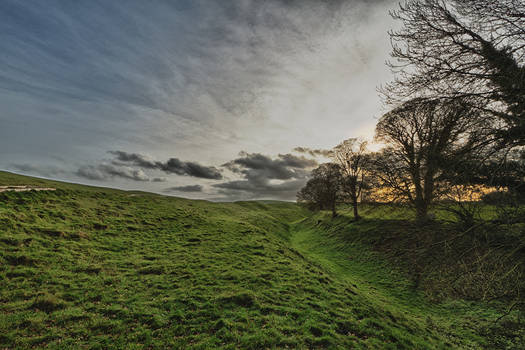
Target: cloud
(258, 167)
(314, 152)
(263, 177)
(77, 80)
(294, 161)
(171, 166)
(176, 166)
(245, 189)
(136, 159)
(189, 188)
(43, 170)
(104, 172)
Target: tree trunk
(421, 212)
(356, 213)
(426, 197)
(334, 212)
(421, 205)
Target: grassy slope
(85, 266)
(370, 254)
(464, 323)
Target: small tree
(353, 160)
(323, 190)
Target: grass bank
(432, 272)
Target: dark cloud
(189, 188)
(159, 179)
(314, 152)
(176, 166)
(172, 165)
(258, 167)
(103, 172)
(136, 159)
(264, 177)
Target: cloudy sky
(213, 99)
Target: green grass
(102, 268)
(353, 252)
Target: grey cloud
(43, 170)
(266, 188)
(172, 165)
(189, 188)
(314, 152)
(260, 172)
(103, 172)
(246, 189)
(291, 160)
(76, 79)
(258, 167)
(176, 166)
(136, 159)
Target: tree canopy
(463, 48)
(323, 190)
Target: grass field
(86, 267)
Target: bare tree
(351, 155)
(323, 190)
(393, 178)
(424, 137)
(458, 48)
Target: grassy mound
(101, 268)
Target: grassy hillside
(101, 268)
(392, 262)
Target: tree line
(455, 130)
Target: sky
(215, 99)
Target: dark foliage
(323, 190)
